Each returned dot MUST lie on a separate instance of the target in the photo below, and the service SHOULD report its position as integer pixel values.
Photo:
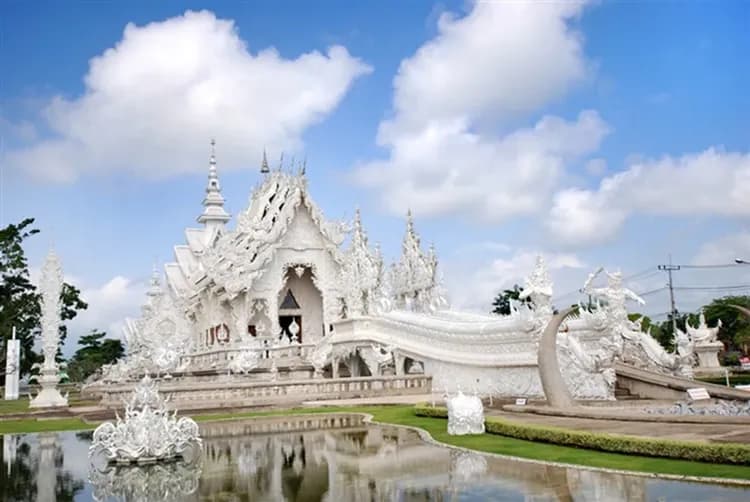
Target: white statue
(465, 415)
(702, 333)
(706, 344)
(51, 284)
(538, 288)
(149, 431)
(245, 361)
(625, 340)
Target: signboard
(745, 363)
(698, 394)
(521, 401)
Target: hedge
(686, 450)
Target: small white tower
(214, 216)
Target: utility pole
(669, 268)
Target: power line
(738, 286)
(720, 265)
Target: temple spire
(154, 283)
(264, 165)
(214, 215)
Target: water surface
(317, 459)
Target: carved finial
(264, 165)
(155, 282)
(281, 161)
(213, 204)
(304, 166)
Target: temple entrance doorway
(300, 307)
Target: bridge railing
(243, 393)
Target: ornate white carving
(414, 279)
(465, 415)
(245, 361)
(50, 285)
(148, 432)
(167, 481)
(362, 276)
(538, 288)
(624, 339)
(702, 333)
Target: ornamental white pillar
(51, 285)
(12, 366)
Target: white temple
(281, 298)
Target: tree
(95, 351)
(735, 327)
(502, 303)
(20, 305)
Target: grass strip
(436, 427)
(694, 452)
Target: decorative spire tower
(214, 216)
(264, 166)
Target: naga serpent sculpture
(742, 309)
(554, 387)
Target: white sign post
(12, 367)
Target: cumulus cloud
(712, 182)
(497, 63)
(153, 100)
(109, 304)
(473, 283)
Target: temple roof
(230, 260)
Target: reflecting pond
(316, 459)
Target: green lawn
(436, 427)
(22, 405)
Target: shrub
(651, 447)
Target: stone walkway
(374, 401)
(682, 431)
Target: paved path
(374, 401)
(693, 432)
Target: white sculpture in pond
(148, 433)
(51, 285)
(465, 415)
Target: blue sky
(612, 133)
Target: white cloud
(596, 167)
(713, 182)
(152, 102)
(725, 250)
(109, 304)
(501, 59)
(473, 283)
(499, 62)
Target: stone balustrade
(219, 358)
(277, 425)
(238, 393)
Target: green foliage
(19, 300)
(502, 302)
(95, 351)
(727, 453)
(735, 328)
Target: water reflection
(294, 460)
(165, 481)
